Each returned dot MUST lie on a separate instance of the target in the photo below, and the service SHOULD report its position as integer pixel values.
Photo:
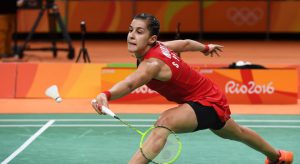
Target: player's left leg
(234, 131)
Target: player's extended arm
(191, 45)
(147, 70)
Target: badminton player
(201, 104)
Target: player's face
(139, 40)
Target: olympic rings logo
(245, 15)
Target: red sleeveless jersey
(186, 84)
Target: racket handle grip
(108, 111)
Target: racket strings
(169, 150)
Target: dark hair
(153, 23)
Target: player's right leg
(179, 119)
(152, 146)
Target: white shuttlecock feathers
(52, 92)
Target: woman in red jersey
(202, 105)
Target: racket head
(170, 151)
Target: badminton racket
(171, 147)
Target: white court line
(138, 125)
(28, 142)
(267, 120)
(273, 126)
(130, 119)
(76, 125)
(81, 120)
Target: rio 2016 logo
(232, 87)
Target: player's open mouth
(132, 43)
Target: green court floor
(90, 138)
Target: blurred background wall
(262, 19)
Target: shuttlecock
(52, 92)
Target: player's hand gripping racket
(171, 147)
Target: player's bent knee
(165, 121)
